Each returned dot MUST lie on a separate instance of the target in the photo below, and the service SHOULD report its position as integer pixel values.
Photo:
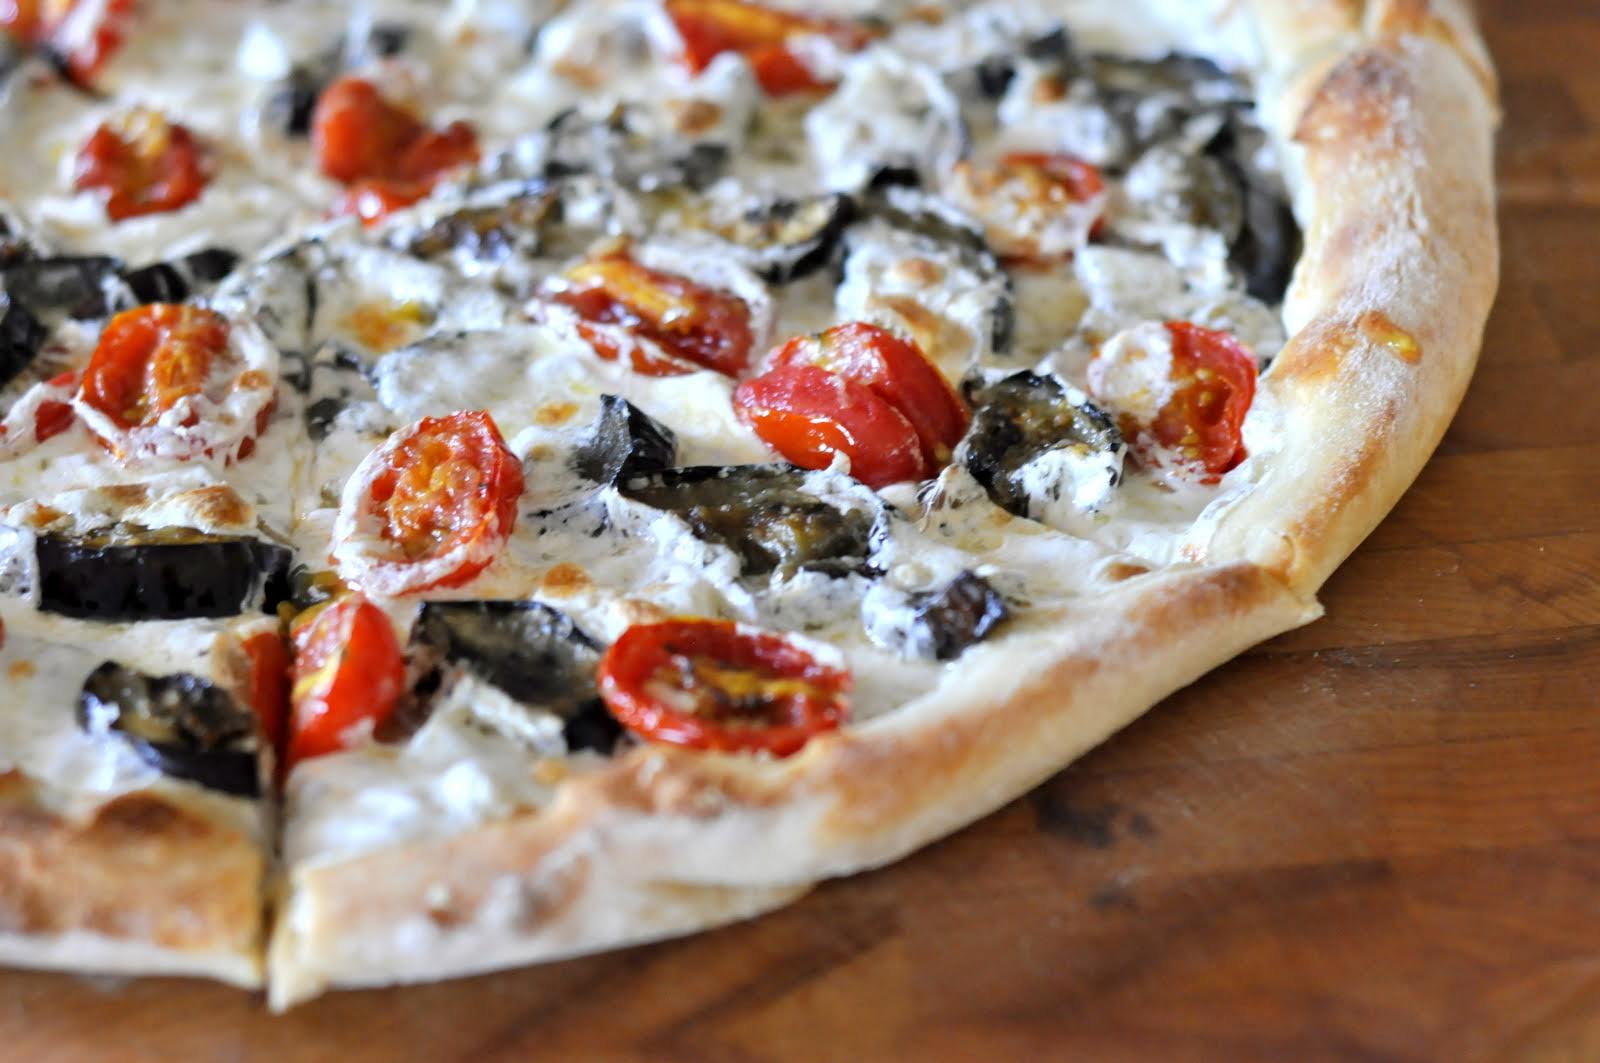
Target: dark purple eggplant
(761, 514)
(961, 613)
(166, 575)
(77, 286)
(783, 239)
(1018, 418)
(1268, 242)
(21, 336)
(535, 654)
(182, 724)
(626, 443)
(617, 148)
(494, 232)
(175, 281)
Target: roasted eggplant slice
(182, 724)
(1268, 241)
(779, 238)
(626, 443)
(136, 574)
(937, 624)
(620, 147)
(1041, 449)
(534, 654)
(173, 282)
(491, 233)
(77, 286)
(21, 336)
(762, 514)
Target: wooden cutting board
(1374, 838)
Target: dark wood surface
(1376, 838)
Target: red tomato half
(348, 669)
(384, 152)
(710, 685)
(1201, 424)
(761, 35)
(893, 369)
(143, 163)
(149, 359)
(808, 415)
(686, 326)
(81, 48)
(441, 495)
(268, 683)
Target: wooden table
(1374, 838)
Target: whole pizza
(492, 481)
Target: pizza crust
(146, 883)
(665, 841)
(1392, 150)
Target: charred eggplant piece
(760, 513)
(490, 234)
(1268, 241)
(78, 286)
(626, 443)
(182, 724)
(783, 239)
(993, 73)
(535, 654)
(173, 282)
(616, 148)
(937, 624)
(1025, 416)
(165, 575)
(21, 336)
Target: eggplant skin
(626, 442)
(962, 613)
(21, 336)
(1019, 417)
(84, 287)
(534, 653)
(210, 577)
(786, 239)
(184, 725)
(173, 282)
(761, 514)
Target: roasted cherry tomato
(387, 156)
(762, 35)
(893, 369)
(711, 685)
(268, 682)
(430, 508)
(1035, 206)
(149, 359)
(684, 326)
(80, 49)
(348, 670)
(1210, 385)
(808, 415)
(143, 163)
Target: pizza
(484, 483)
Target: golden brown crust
(666, 840)
(144, 881)
(1393, 143)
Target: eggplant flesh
(21, 336)
(960, 614)
(173, 282)
(84, 287)
(1019, 417)
(535, 654)
(168, 575)
(613, 148)
(783, 239)
(491, 234)
(626, 442)
(761, 513)
(182, 724)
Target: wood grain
(1377, 838)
